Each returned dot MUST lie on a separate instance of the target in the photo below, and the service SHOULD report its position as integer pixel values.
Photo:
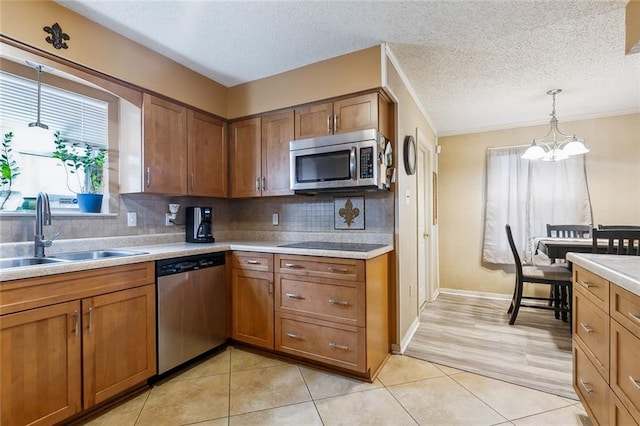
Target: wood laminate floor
(473, 334)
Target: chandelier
(549, 148)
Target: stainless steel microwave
(354, 161)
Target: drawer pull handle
(294, 296)
(76, 322)
(295, 336)
(252, 262)
(586, 328)
(634, 317)
(293, 265)
(586, 388)
(339, 302)
(340, 270)
(339, 346)
(635, 382)
(585, 284)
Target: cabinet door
(252, 307)
(277, 132)
(119, 346)
(356, 113)
(164, 146)
(207, 159)
(245, 165)
(315, 120)
(40, 365)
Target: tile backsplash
(233, 219)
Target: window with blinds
(79, 118)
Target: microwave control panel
(366, 163)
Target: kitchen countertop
(170, 250)
(624, 271)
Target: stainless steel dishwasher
(190, 307)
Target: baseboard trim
(407, 337)
(470, 293)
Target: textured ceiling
(473, 65)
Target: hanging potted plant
(88, 159)
(9, 199)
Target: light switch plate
(275, 219)
(132, 219)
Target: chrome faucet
(43, 217)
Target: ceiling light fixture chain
(554, 149)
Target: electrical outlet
(275, 218)
(132, 219)
(168, 217)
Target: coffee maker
(198, 225)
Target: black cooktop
(325, 245)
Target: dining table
(557, 248)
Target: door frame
(427, 252)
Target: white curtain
(527, 195)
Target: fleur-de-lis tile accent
(348, 212)
(57, 37)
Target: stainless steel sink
(95, 254)
(18, 262)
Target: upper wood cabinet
(164, 146)
(184, 152)
(259, 148)
(207, 156)
(368, 111)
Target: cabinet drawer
(590, 386)
(331, 343)
(591, 285)
(618, 414)
(252, 260)
(625, 308)
(591, 326)
(625, 368)
(322, 267)
(340, 301)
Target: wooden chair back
(514, 251)
(568, 231)
(620, 241)
(618, 226)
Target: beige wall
(102, 50)
(355, 72)
(409, 118)
(612, 172)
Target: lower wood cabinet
(60, 359)
(332, 311)
(252, 298)
(606, 349)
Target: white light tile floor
(237, 387)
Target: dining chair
(618, 226)
(568, 231)
(558, 276)
(619, 241)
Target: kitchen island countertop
(171, 250)
(624, 271)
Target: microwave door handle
(352, 163)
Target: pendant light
(37, 131)
(549, 147)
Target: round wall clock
(409, 155)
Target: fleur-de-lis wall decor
(57, 37)
(349, 213)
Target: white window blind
(79, 118)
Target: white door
(424, 170)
